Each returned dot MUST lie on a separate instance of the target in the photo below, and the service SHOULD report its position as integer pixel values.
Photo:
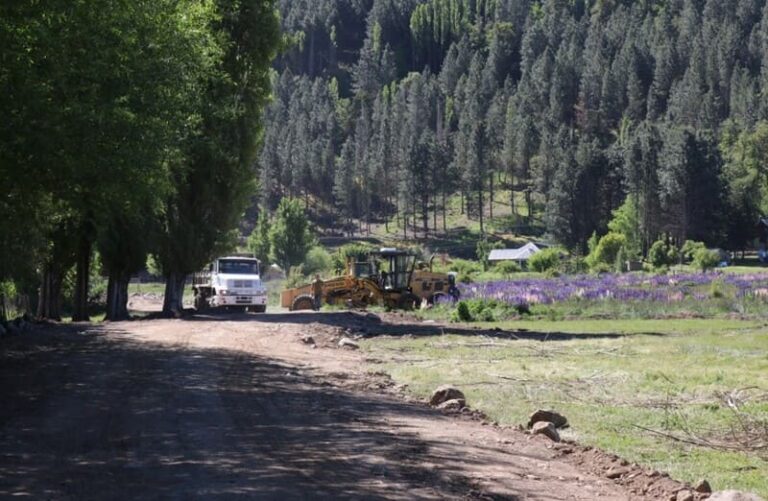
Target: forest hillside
(561, 111)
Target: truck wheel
(259, 308)
(201, 303)
(303, 303)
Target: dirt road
(240, 407)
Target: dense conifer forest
(384, 110)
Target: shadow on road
(95, 416)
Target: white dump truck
(231, 282)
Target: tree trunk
(512, 206)
(173, 305)
(490, 215)
(82, 279)
(117, 296)
(445, 209)
(49, 298)
(480, 202)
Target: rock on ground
(558, 420)
(444, 393)
(547, 429)
(734, 496)
(345, 342)
(455, 404)
(703, 487)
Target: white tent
(520, 255)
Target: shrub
(689, 249)
(461, 314)
(318, 260)
(662, 254)
(717, 289)
(606, 250)
(486, 310)
(483, 251)
(357, 251)
(507, 268)
(296, 277)
(705, 259)
(545, 260)
(465, 269)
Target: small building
(521, 255)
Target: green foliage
(465, 269)
(357, 251)
(547, 259)
(690, 248)
(296, 276)
(705, 259)
(259, 242)
(483, 251)
(626, 222)
(153, 266)
(318, 261)
(461, 314)
(507, 268)
(485, 310)
(717, 289)
(608, 248)
(662, 255)
(290, 236)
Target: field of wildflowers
(640, 295)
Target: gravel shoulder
(240, 406)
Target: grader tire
(303, 302)
(408, 302)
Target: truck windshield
(239, 266)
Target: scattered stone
(345, 342)
(703, 487)
(734, 496)
(547, 429)
(684, 495)
(558, 420)
(614, 473)
(308, 340)
(445, 393)
(453, 405)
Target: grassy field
(615, 380)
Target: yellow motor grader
(387, 277)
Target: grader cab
(387, 277)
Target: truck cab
(231, 282)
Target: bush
(483, 251)
(545, 260)
(705, 259)
(607, 250)
(507, 268)
(662, 255)
(296, 277)
(486, 310)
(717, 289)
(690, 248)
(357, 251)
(318, 260)
(461, 314)
(465, 269)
